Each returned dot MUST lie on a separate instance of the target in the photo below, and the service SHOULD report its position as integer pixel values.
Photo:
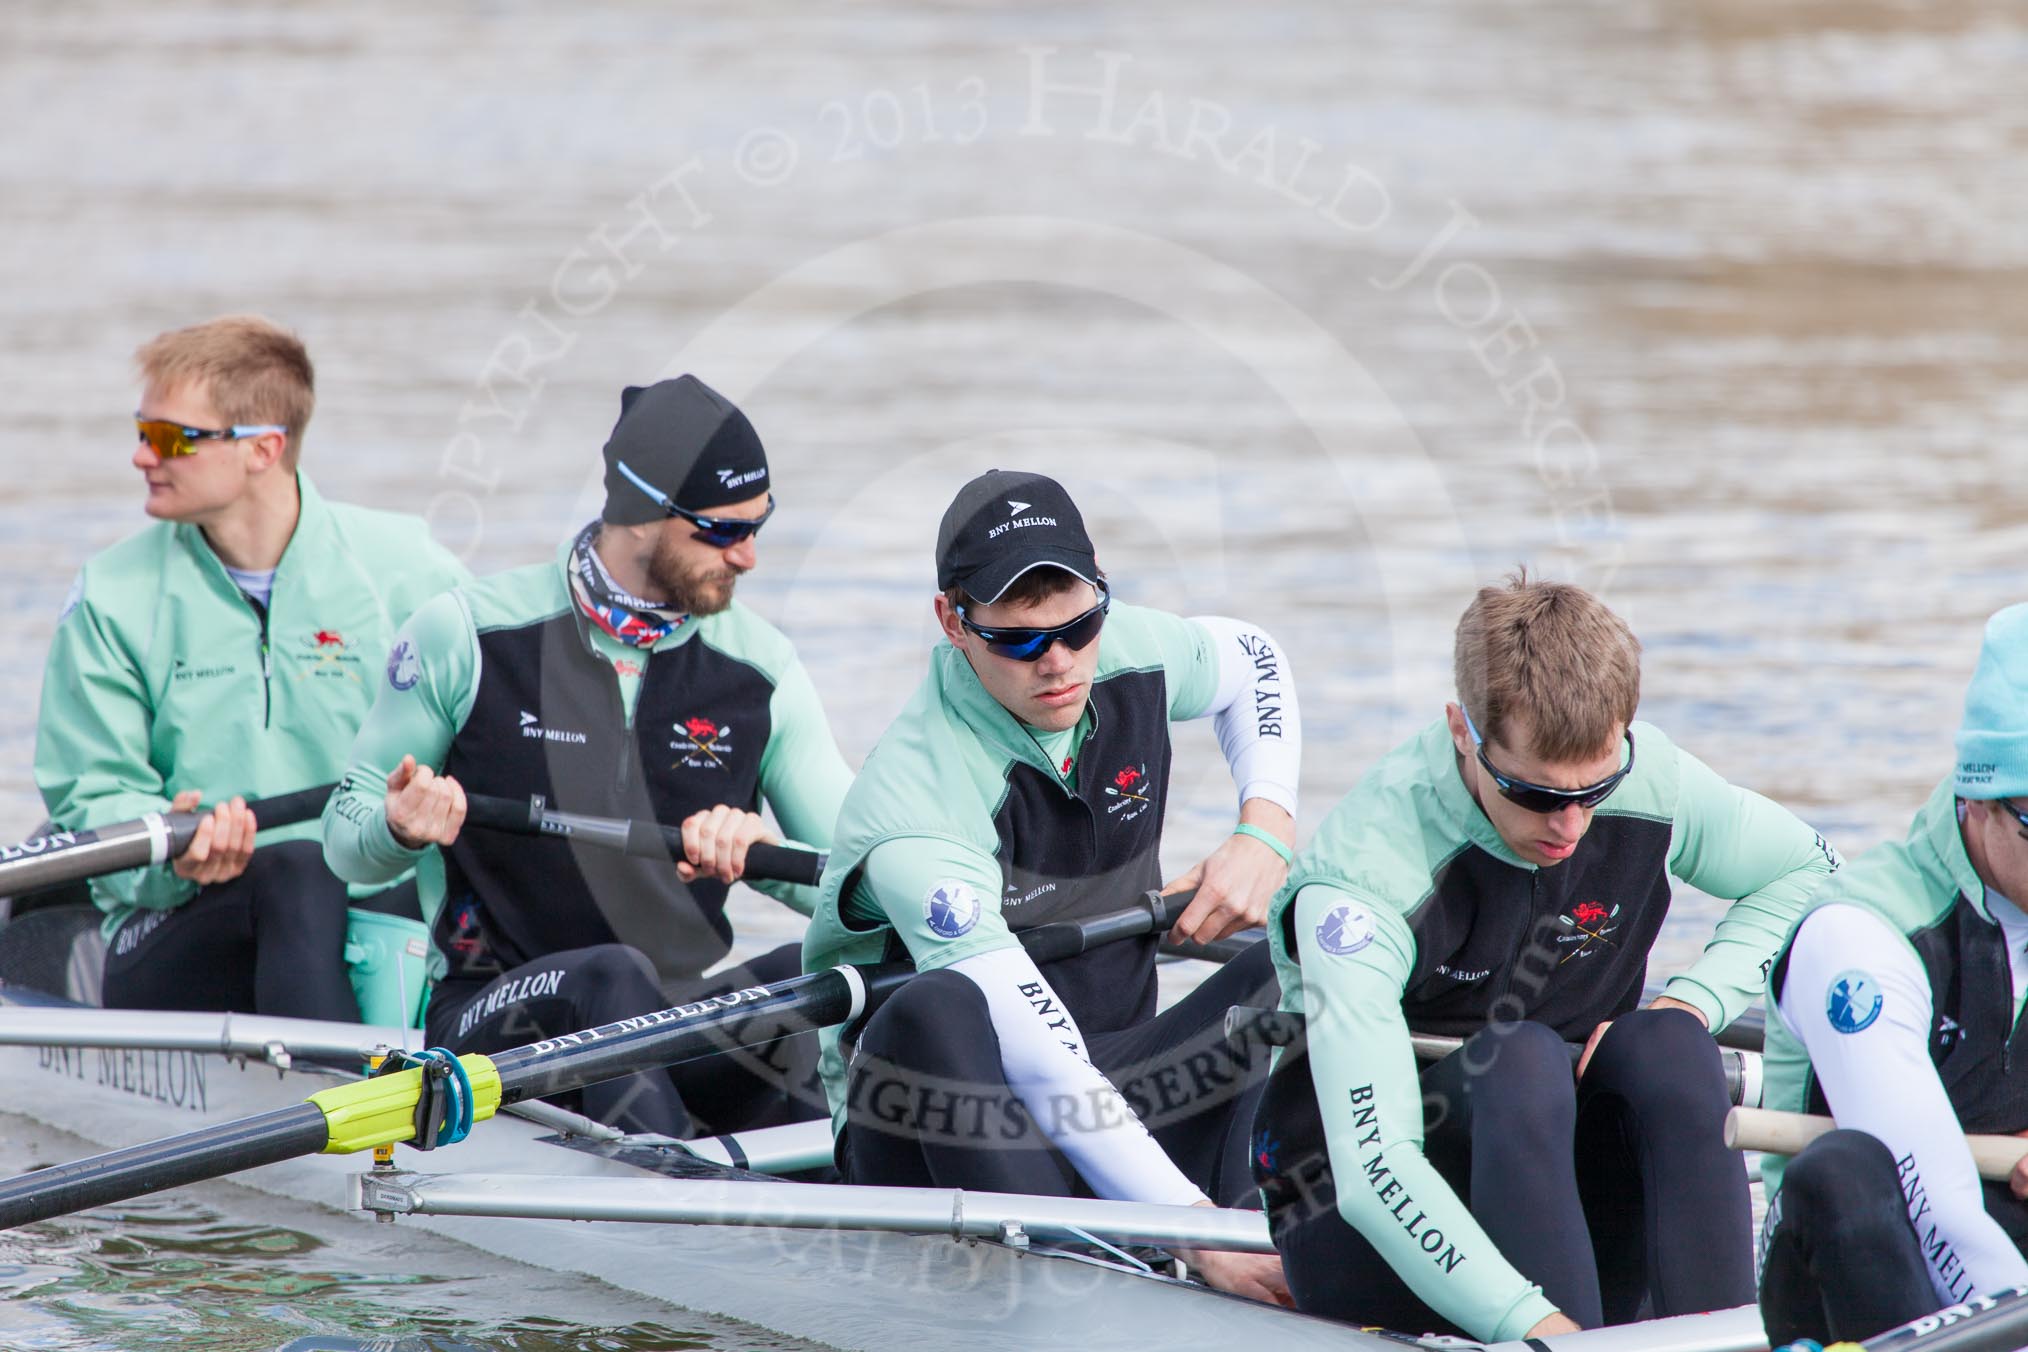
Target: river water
(1327, 314)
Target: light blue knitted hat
(1993, 739)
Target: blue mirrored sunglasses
(1028, 645)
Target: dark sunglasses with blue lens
(1540, 797)
(720, 532)
(1028, 645)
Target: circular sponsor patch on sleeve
(1853, 1002)
(951, 908)
(1346, 930)
(404, 668)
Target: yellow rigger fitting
(381, 1110)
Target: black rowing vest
(547, 718)
(1564, 946)
(1972, 1039)
(1067, 856)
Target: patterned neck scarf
(625, 616)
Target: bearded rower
(622, 680)
(1899, 1004)
(1501, 877)
(1025, 783)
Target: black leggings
(271, 941)
(750, 1086)
(929, 1105)
(1842, 1262)
(1616, 1195)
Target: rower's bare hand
(223, 845)
(1257, 1276)
(423, 807)
(715, 842)
(1234, 885)
(1550, 1325)
(2017, 1181)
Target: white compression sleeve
(1077, 1108)
(1259, 725)
(1876, 1073)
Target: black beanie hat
(684, 440)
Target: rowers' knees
(1840, 1160)
(1662, 1058)
(1517, 1075)
(290, 879)
(929, 1010)
(1514, 1058)
(1835, 1169)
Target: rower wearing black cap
(620, 680)
(1023, 784)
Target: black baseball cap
(1004, 523)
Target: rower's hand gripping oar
(383, 1110)
(152, 838)
(649, 840)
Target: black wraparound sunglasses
(720, 532)
(1540, 797)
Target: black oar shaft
(68, 856)
(270, 1137)
(557, 1065)
(763, 1013)
(648, 840)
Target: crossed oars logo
(699, 732)
(328, 646)
(1124, 781)
(1588, 918)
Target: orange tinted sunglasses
(171, 439)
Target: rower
(227, 651)
(1899, 999)
(1025, 783)
(1501, 876)
(620, 680)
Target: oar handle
(284, 809)
(1780, 1133)
(1218, 950)
(532, 816)
(1155, 913)
(153, 838)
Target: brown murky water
(1328, 314)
